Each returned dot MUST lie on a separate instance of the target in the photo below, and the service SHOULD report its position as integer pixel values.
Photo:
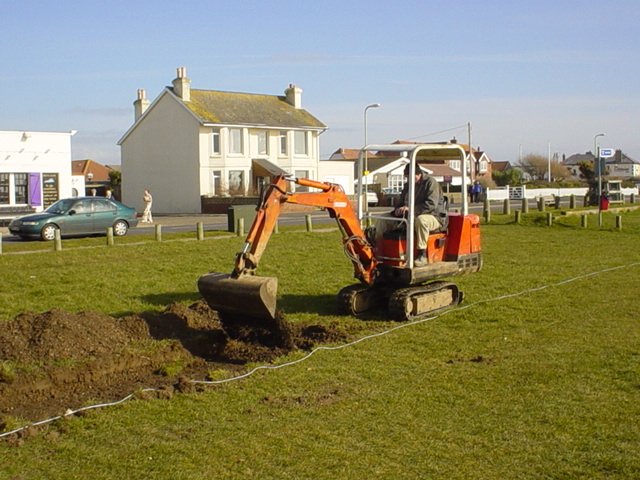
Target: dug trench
(57, 361)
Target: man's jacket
(429, 199)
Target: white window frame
(215, 141)
(301, 174)
(396, 182)
(300, 135)
(234, 189)
(262, 142)
(284, 143)
(216, 181)
(236, 144)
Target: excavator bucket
(247, 295)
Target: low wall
(502, 193)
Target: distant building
(574, 161)
(95, 175)
(35, 170)
(619, 166)
(622, 166)
(501, 166)
(190, 143)
(387, 174)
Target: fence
(520, 192)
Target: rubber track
(399, 298)
(347, 299)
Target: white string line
(407, 324)
(70, 412)
(332, 348)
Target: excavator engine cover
(248, 295)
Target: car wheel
(120, 228)
(48, 232)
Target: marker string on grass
(332, 348)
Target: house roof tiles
(501, 166)
(232, 108)
(98, 171)
(578, 158)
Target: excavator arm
(331, 198)
(242, 292)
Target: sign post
(602, 154)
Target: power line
(439, 132)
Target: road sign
(607, 152)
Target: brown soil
(55, 361)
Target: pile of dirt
(55, 361)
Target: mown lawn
(536, 375)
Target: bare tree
(559, 171)
(537, 167)
(534, 165)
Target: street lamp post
(549, 162)
(596, 152)
(366, 159)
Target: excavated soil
(58, 361)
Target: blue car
(76, 217)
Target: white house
(191, 143)
(619, 165)
(622, 166)
(35, 170)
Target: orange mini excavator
(387, 277)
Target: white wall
(161, 154)
(38, 152)
(78, 185)
(502, 193)
(337, 171)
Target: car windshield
(61, 206)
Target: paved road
(182, 223)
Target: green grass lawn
(536, 375)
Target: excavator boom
(242, 292)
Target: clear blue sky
(525, 74)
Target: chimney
(294, 95)
(141, 104)
(182, 85)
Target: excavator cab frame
(413, 154)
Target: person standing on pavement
(148, 202)
(477, 192)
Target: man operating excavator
(385, 267)
(430, 210)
